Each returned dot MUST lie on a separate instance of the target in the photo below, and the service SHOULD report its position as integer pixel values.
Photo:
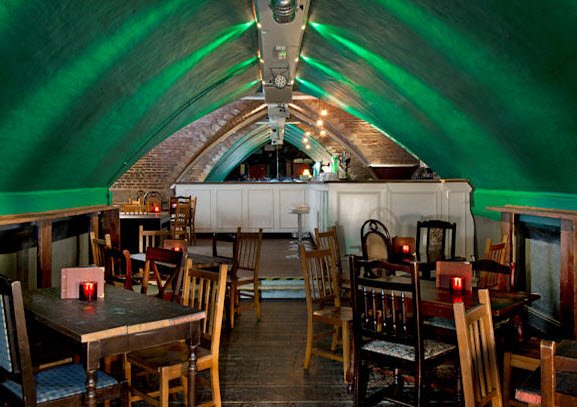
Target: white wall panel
(260, 209)
(229, 209)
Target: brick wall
(190, 154)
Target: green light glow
(136, 105)
(471, 56)
(32, 119)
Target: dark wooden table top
(437, 301)
(120, 312)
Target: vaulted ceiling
(483, 90)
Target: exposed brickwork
(191, 153)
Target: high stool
(300, 211)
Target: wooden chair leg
(309, 348)
(336, 335)
(506, 378)
(128, 377)
(215, 385)
(232, 304)
(163, 389)
(346, 349)
(257, 300)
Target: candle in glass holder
(457, 284)
(405, 248)
(87, 291)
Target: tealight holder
(87, 291)
(457, 284)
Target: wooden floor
(261, 363)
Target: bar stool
(300, 210)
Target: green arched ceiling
(254, 140)
(478, 89)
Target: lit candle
(176, 248)
(88, 290)
(405, 248)
(156, 209)
(457, 284)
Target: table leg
(191, 372)
(90, 388)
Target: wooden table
(438, 302)
(123, 321)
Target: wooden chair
(180, 228)
(118, 268)
(153, 202)
(150, 238)
(169, 281)
(522, 355)
(496, 251)
(388, 333)
(480, 374)
(20, 385)
(243, 280)
(203, 290)
(329, 240)
(97, 247)
(132, 208)
(192, 223)
(435, 241)
(324, 306)
(375, 240)
(494, 275)
(558, 373)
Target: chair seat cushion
(401, 351)
(60, 382)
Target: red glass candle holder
(457, 284)
(87, 291)
(405, 249)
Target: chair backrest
(389, 308)
(247, 252)
(494, 275)
(435, 240)
(97, 247)
(206, 290)
(320, 277)
(375, 240)
(558, 366)
(150, 238)
(448, 269)
(496, 251)
(173, 263)
(477, 353)
(118, 267)
(175, 244)
(181, 223)
(153, 202)
(329, 240)
(133, 208)
(15, 360)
